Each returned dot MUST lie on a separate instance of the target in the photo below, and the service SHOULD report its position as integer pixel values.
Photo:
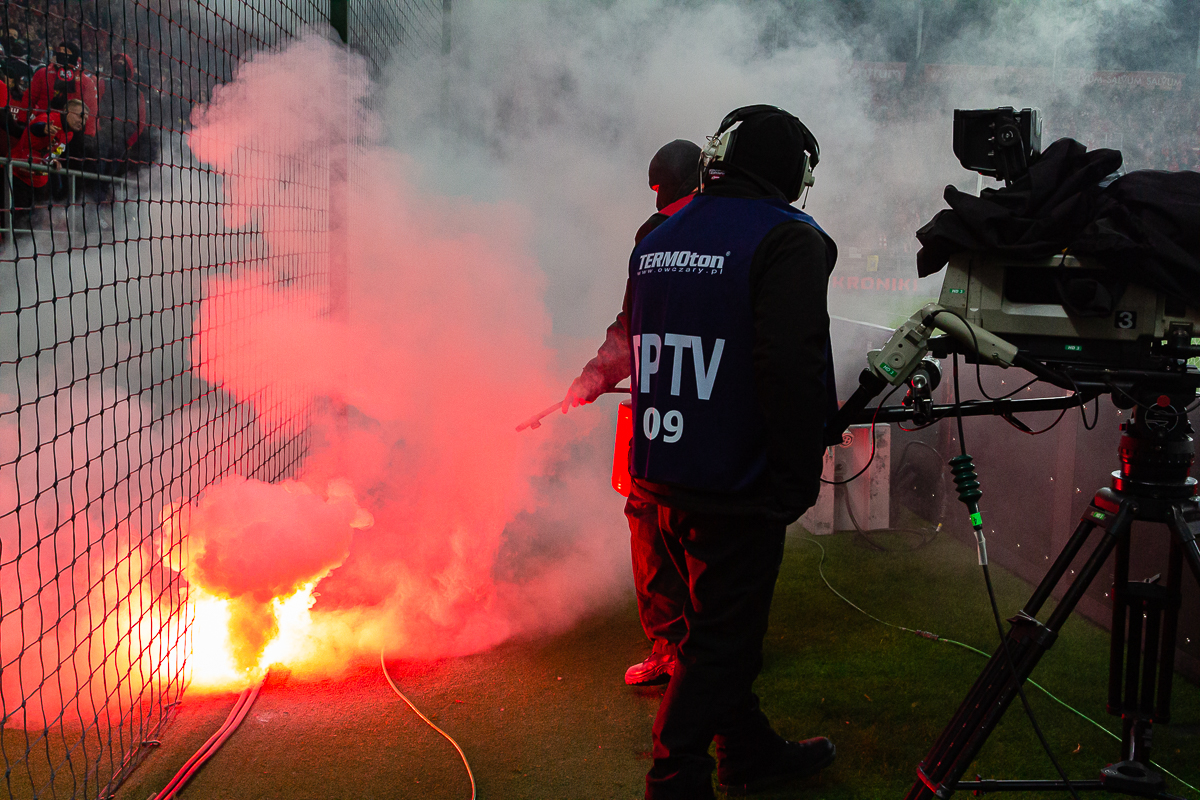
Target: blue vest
(696, 419)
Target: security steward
(731, 367)
(661, 592)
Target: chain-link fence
(109, 229)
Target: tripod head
(1157, 450)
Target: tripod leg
(1185, 524)
(1027, 641)
(1142, 660)
(1091, 518)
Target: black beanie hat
(16, 69)
(75, 52)
(674, 171)
(771, 145)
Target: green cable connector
(963, 469)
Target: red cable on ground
(240, 709)
(171, 787)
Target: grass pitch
(550, 718)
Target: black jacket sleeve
(656, 219)
(788, 285)
(611, 364)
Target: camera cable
(979, 382)
(927, 535)
(934, 637)
(924, 536)
(238, 713)
(428, 721)
(866, 466)
(968, 483)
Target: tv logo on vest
(680, 261)
(648, 358)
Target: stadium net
(107, 429)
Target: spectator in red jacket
(50, 89)
(53, 85)
(44, 143)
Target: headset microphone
(722, 144)
(719, 144)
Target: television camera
(1073, 324)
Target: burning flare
(257, 550)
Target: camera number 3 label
(670, 425)
(1125, 320)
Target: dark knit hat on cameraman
(769, 146)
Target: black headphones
(721, 144)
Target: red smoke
(83, 590)
(251, 542)
(416, 389)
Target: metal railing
(73, 177)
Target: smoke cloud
(251, 542)
(480, 229)
(439, 347)
(489, 207)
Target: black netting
(108, 428)
(378, 29)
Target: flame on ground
(211, 664)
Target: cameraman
(732, 383)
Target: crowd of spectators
(71, 119)
(1153, 129)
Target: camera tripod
(1152, 485)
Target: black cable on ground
(926, 535)
(240, 709)
(934, 637)
(940, 517)
(428, 721)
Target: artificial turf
(550, 718)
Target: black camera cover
(1144, 226)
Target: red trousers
(662, 590)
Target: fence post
(339, 175)
(12, 205)
(339, 19)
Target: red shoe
(656, 669)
